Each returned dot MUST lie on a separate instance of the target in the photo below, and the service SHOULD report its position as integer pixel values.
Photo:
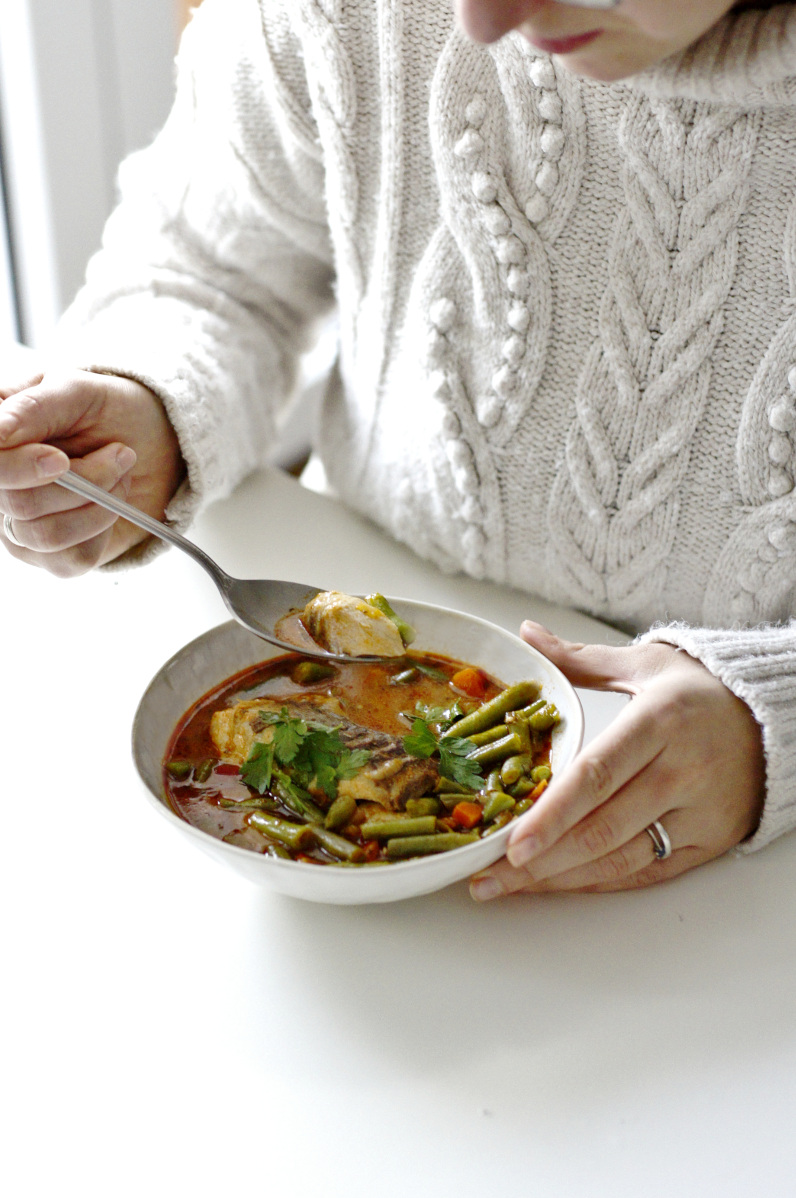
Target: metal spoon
(257, 604)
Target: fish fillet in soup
(390, 777)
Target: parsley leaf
(351, 762)
(288, 734)
(421, 741)
(453, 760)
(309, 754)
(442, 717)
(258, 766)
(456, 765)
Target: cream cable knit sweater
(567, 309)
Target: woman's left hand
(685, 752)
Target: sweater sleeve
(759, 666)
(216, 264)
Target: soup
(359, 763)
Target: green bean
(338, 846)
(254, 803)
(341, 812)
(383, 829)
(304, 808)
(406, 631)
(541, 773)
(277, 850)
(520, 724)
(410, 675)
(545, 718)
(488, 735)
(449, 801)
(494, 710)
(294, 836)
(522, 787)
(423, 846)
(513, 768)
(203, 769)
(425, 806)
(499, 822)
(495, 804)
(178, 770)
(448, 786)
(307, 672)
(524, 805)
(499, 750)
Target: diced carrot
(372, 850)
(537, 790)
(467, 814)
(472, 681)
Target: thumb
(596, 667)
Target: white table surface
(169, 1029)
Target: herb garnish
(308, 754)
(258, 766)
(454, 763)
(440, 717)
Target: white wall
(83, 83)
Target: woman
(582, 270)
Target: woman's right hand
(112, 431)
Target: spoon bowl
(258, 604)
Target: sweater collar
(748, 58)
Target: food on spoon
(356, 627)
(360, 763)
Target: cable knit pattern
(566, 308)
(755, 575)
(614, 509)
(331, 77)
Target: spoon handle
(81, 486)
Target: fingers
(622, 668)
(31, 466)
(106, 467)
(601, 770)
(60, 530)
(634, 867)
(86, 418)
(686, 752)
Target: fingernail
(523, 851)
(126, 458)
(484, 889)
(50, 464)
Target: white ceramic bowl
(223, 651)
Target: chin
(602, 69)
